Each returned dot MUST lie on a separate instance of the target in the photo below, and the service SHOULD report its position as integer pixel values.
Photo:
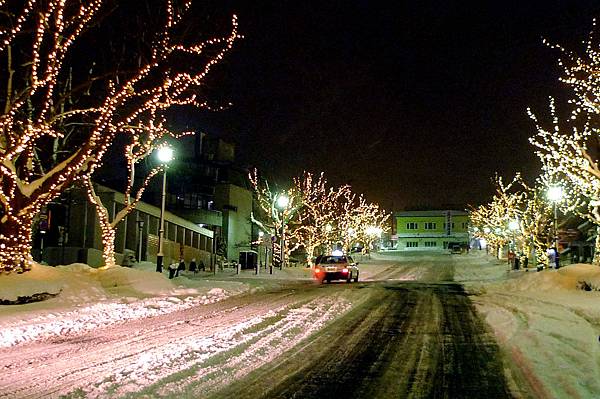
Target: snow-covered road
(125, 358)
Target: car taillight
(317, 270)
(344, 270)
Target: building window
(446, 224)
(430, 226)
(412, 226)
(464, 225)
(412, 244)
(430, 244)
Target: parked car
(456, 249)
(335, 267)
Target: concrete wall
(235, 203)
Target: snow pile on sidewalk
(90, 317)
(78, 279)
(85, 298)
(550, 326)
(573, 277)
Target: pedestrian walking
(180, 267)
(193, 267)
(172, 270)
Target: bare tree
(359, 220)
(520, 204)
(277, 221)
(321, 206)
(57, 125)
(568, 147)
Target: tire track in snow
(49, 369)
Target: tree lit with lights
(56, 125)
(317, 216)
(568, 148)
(518, 213)
(274, 217)
(358, 219)
(321, 205)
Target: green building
(431, 230)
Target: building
(431, 230)
(72, 232)
(207, 187)
(208, 206)
(235, 204)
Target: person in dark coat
(181, 267)
(172, 270)
(193, 266)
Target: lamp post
(140, 224)
(555, 194)
(164, 155)
(374, 233)
(282, 203)
(261, 236)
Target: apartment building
(431, 230)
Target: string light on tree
(565, 147)
(56, 126)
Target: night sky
(416, 104)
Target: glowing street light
(513, 225)
(374, 231)
(555, 194)
(282, 203)
(164, 154)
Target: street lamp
(164, 154)
(555, 194)
(282, 203)
(374, 233)
(140, 224)
(513, 226)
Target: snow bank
(573, 277)
(40, 279)
(87, 318)
(83, 298)
(548, 326)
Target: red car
(335, 267)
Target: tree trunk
(310, 251)
(108, 236)
(597, 248)
(108, 231)
(15, 244)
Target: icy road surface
(407, 330)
